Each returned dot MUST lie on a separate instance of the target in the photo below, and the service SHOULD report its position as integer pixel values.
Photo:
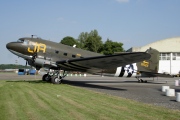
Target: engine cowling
(40, 62)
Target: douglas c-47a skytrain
(43, 53)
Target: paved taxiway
(123, 87)
(129, 88)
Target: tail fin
(151, 65)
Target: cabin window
(56, 51)
(65, 54)
(73, 56)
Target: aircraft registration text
(37, 47)
(145, 64)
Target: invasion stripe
(129, 75)
(121, 74)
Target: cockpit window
(32, 43)
(20, 40)
(26, 42)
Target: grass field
(36, 100)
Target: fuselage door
(48, 54)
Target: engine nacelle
(39, 62)
(126, 71)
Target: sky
(134, 23)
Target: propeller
(34, 56)
(26, 63)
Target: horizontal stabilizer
(152, 74)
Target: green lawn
(36, 100)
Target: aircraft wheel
(142, 81)
(145, 81)
(56, 80)
(46, 77)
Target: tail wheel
(56, 80)
(142, 81)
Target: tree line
(12, 66)
(92, 41)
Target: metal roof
(165, 45)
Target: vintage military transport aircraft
(43, 53)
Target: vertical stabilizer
(151, 65)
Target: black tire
(46, 77)
(142, 81)
(55, 80)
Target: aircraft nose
(16, 47)
(12, 46)
(9, 45)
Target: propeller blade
(34, 56)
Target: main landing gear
(140, 80)
(54, 77)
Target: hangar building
(169, 59)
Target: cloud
(122, 1)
